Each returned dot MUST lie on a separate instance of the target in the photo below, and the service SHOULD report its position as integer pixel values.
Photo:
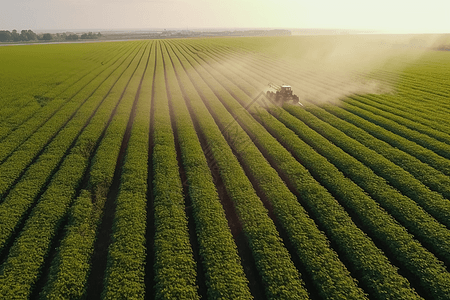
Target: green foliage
(126, 255)
(376, 221)
(68, 274)
(360, 251)
(14, 36)
(377, 116)
(103, 166)
(330, 275)
(279, 275)
(373, 171)
(21, 269)
(23, 193)
(46, 37)
(423, 154)
(174, 266)
(224, 274)
(397, 176)
(90, 35)
(60, 82)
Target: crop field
(157, 169)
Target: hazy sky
(420, 16)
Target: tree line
(29, 35)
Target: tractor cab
(286, 90)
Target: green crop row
(360, 251)
(28, 253)
(411, 114)
(22, 132)
(437, 233)
(411, 121)
(130, 216)
(64, 80)
(380, 224)
(61, 282)
(419, 101)
(22, 196)
(21, 269)
(68, 273)
(14, 165)
(19, 86)
(25, 103)
(279, 275)
(124, 276)
(174, 266)
(427, 156)
(104, 162)
(29, 71)
(429, 176)
(225, 276)
(354, 106)
(330, 276)
(421, 83)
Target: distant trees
(24, 35)
(47, 37)
(28, 35)
(84, 36)
(90, 35)
(71, 37)
(5, 36)
(14, 36)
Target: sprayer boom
(275, 86)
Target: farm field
(156, 169)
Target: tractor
(282, 95)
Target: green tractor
(283, 94)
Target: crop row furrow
(21, 269)
(409, 258)
(280, 278)
(413, 122)
(353, 105)
(410, 110)
(126, 255)
(424, 155)
(174, 265)
(15, 165)
(224, 274)
(407, 212)
(324, 210)
(432, 178)
(57, 112)
(33, 183)
(60, 91)
(74, 255)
